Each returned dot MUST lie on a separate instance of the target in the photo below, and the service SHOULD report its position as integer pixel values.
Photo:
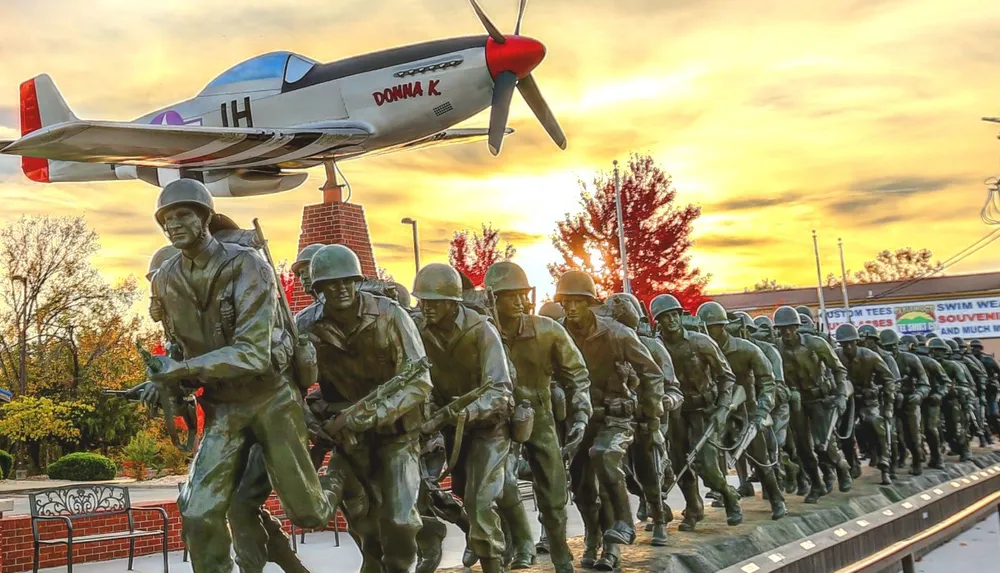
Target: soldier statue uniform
(612, 352)
(542, 351)
(220, 304)
(930, 410)
(466, 352)
(362, 341)
(707, 383)
(914, 388)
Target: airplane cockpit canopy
(261, 73)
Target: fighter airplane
(253, 128)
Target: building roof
(929, 288)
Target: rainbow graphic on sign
(916, 319)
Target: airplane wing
(446, 137)
(184, 146)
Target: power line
(955, 259)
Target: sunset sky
(857, 118)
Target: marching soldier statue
(473, 394)
(981, 379)
(955, 407)
(869, 338)
(914, 388)
(707, 383)
(613, 355)
(541, 351)
(753, 372)
(300, 268)
(374, 384)
(806, 358)
(992, 368)
(649, 451)
(941, 386)
(874, 388)
(220, 305)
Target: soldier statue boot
(610, 559)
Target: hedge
(6, 464)
(83, 466)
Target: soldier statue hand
(670, 403)
(719, 417)
(169, 370)
(574, 437)
(914, 399)
(314, 427)
(366, 419)
(148, 393)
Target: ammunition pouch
(560, 408)
(522, 422)
(619, 407)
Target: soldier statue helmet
(552, 310)
(576, 283)
(888, 338)
(506, 276)
(664, 303)
(186, 192)
(624, 309)
(867, 331)
(908, 342)
(300, 268)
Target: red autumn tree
(288, 281)
(657, 236)
(472, 254)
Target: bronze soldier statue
(220, 305)
(706, 382)
(541, 351)
(467, 358)
(981, 379)
(914, 388)
(300, 268)
(954, 406)
(611, 352)
(874, 387)
(869, 338)
(753, 372)
(805, 359)
(649, 451)
(992, 393)
(968, 393)
(930, 410)
(362, 342)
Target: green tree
(767, 285)
(42, 425)
(887, 266)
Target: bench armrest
(160, 510)
(65, 519)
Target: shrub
(141, 453)
(6, 464)
(174, 460)
(82, 466)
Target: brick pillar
(334, 222)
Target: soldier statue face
(340, 293)
(302, 273)
(439, 312)
(510, 304)
(670, 322)
(576, 308)
(850, 348)
(789, 334)
(892, 349)
(185, 226)
(977, 351)
(717, 332)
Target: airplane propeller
(510, 60)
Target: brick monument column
(334, 221)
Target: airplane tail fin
(41, 106)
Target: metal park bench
(80, 502)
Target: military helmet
(804, 311)
(868, 331)
(937, 344)
(159, 257)
(807, 324)
(952, 344)
(438, 281)
(184, 192)
(305, 256)
(960, 342)
(921, 339)
(552, 310)
(930, 335)
(575, 283)
(631, 300)
(907, 340)
(624, 310)
(712, 313)
(403, 296)
(846, 333)
(888, 337)
(976, 343)
(745, 320)
(763, 321)
(332, 262)
(786, 316)
(663, 303)
(506, 276)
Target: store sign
(968, 318)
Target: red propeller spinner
(519, 54)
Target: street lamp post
(416, 241)
(22, 371)
(626, 287)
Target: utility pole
(819, 284)
(843, 282)
(626, 287)
(416, 241)
(22, 334)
